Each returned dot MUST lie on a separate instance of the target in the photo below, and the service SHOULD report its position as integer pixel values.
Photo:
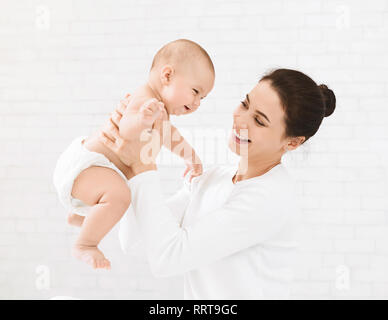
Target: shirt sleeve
(129, 235)
(178, 203)
(246, 219)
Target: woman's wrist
(192, 158)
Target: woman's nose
(239, 120)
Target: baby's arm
(177, 144)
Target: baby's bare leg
(75, 220)
(108, 194)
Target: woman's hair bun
(329, 99)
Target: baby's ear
(166, 73)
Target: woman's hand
(135, 153)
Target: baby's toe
(100, 263)
(105, 264)
(94, 263)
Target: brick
(333, 260)
(310, 289)
(357, 259)
(358, 291)
(354, 245)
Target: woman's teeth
(240, 138)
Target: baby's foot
(149, 112)
(91, 255)
(75, 220)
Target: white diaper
(71, 162)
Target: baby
(91, 181)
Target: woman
(231, 231)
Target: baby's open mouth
(187, 108)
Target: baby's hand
(196, 169)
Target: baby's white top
(230, 241)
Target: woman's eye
(244, 104)
(259, 123)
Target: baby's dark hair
(179, 51)
(305, 103)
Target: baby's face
(186, 89)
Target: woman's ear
(294, 143)
(166, 74)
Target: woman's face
(258, 125)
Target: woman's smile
(239, 138)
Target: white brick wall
(64, 65)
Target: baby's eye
(195, 91)
(244, 104)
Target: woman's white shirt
(230, 241)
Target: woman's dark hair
(304, 102)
